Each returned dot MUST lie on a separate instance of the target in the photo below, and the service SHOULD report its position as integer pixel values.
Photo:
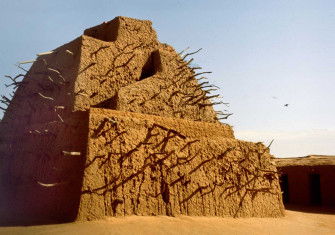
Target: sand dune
(293, 223)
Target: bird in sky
(275, 98)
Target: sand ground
(295, 222)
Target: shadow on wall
(45, 188)
(152, 66)
(174, 163)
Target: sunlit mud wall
(59, 162)
(149, 165)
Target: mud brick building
(308, 180)
(116, 123)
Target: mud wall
(39, 181)
(131, 70)
(149, 165)
(180, 161)
(46, 122)
(299, 185)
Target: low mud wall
(149, 165)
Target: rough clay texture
(149, 165)
(65, 155)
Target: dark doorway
(314, 187)
(284, 188)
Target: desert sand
(295, 222)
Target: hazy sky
(263, 54)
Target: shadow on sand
(311, 209)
